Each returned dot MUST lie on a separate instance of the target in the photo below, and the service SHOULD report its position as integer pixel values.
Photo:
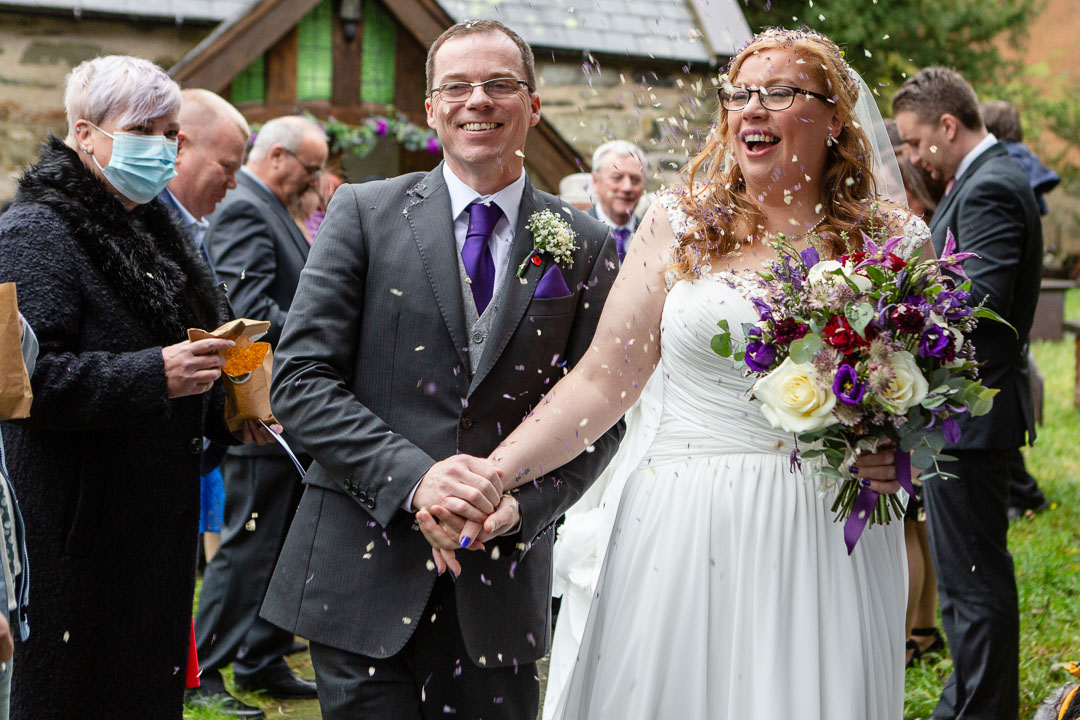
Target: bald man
(213, 137)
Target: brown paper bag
(247, 396)
(15, 393)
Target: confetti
(244, 357)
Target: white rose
(823, 273)
(908, 386)
(793, 399)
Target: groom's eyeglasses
(772, 97)
(495, 88)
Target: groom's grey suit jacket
(372, 377)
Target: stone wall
(36, 54)
(666, 110)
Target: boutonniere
(551, 235)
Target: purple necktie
(479, 264)
(622, 239)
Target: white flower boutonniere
(551, 235)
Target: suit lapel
(427, 207)
(944, 208)
(280, 212)
(515, 295)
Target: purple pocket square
(551, 285)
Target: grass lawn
(1046, 550)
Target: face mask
(141, 165)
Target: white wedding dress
(726, 590)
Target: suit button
(370, 503)
(195, 446)
(466, 422)
(362, 495)
(478, 337)
(355, 490)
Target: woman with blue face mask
(107, 466)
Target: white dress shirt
(602, 217)
(509, 201)
(987, 142)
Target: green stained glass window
(378, 55)
(315, 53)
(250, 84)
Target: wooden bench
(1072, 326)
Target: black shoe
(223, 703)
(278, 682)
(296, 647)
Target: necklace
(809, 230)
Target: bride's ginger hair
(716, 207)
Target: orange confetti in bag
(247, 371)
(244, 356)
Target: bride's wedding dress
(726, 590)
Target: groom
(413, 337)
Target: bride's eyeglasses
(771, 97)
(496, 88)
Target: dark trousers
(1024, 492)
(967, 519)
(432, 677)
(261, 495)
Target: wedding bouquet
(855, 351)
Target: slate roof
(171, 10)
(697, 30)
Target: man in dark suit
(618, 182)
(991, 210)
(425, 325)
(258, 251)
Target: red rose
(839, 333)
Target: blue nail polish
(453, 574)
(864, 482)
(465, 540)
(853, 469)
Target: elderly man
(618, 178)
(990, 208)
(422, 329)
(258, 251)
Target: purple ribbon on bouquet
(864, 503)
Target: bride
(726, 589)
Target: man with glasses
(426, 325)
(258, 252)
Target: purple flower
(953, 304)
(846, 386)
(810, 257)
(760, 355)
(950, 259)
(381, 127)
(951, 430)
(763, 310)
(433, 146)
(935, 342)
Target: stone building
(643, 71)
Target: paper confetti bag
(247, 371)
(15, 393)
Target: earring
(830, 141)
(86, 149)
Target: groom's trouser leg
(432, 677)
(968, 525)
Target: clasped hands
(460, 503)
